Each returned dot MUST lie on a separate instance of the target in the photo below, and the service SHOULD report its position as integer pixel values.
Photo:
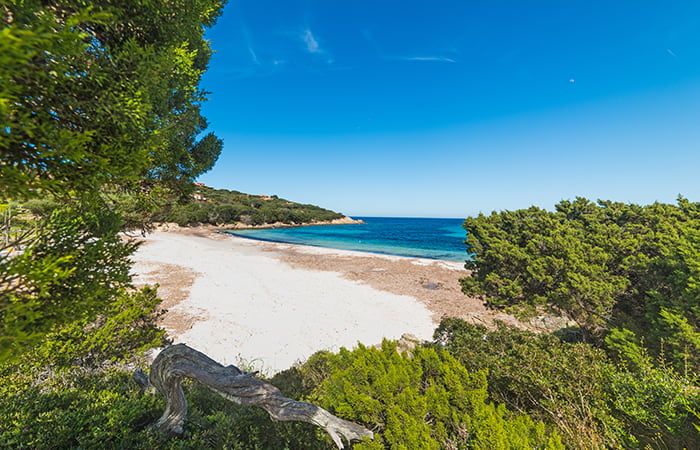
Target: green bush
(658, 405)
(593, 402)
(98, 411)
(228, 213)
(603, 265)
(74, 389)
(560, 383)
(190, 213)
(41, 207)
(73, 267)
(425, 399)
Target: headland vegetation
(227, 209)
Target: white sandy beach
(268, 306)
(245, 306)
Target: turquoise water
(424, 238)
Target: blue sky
(450, 108)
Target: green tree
(223, 206)
(603, 265)
(96, 93)
(99, 106)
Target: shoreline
(370, 252)
(170, 226)
(268, 305)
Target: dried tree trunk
(180, 361)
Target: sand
(268, 306)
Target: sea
(441, 239)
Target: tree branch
(180, 361)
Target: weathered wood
(180, 361)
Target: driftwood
(180, 361)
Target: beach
(267, 306)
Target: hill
(223, 207)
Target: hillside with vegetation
(100, 122)
(225, 207)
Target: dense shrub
(606, 265)
(41, 207)
(98, 411)
(422, 399)
(74, 389)
(594, 402)
(425, 399)
(72, 267)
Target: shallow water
(416, 237)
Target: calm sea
(423, 238)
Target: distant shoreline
(307, 244)
(170, 226)
(436, 239)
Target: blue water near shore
(416, 237)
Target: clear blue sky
(450, 108)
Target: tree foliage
(97, 93)
(423, 400)
(73, 268)
(603, 265)
(71, 390)
(97, 100)
(100, 108)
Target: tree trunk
(180, 361)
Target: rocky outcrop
(242, 226)
(169, 226)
